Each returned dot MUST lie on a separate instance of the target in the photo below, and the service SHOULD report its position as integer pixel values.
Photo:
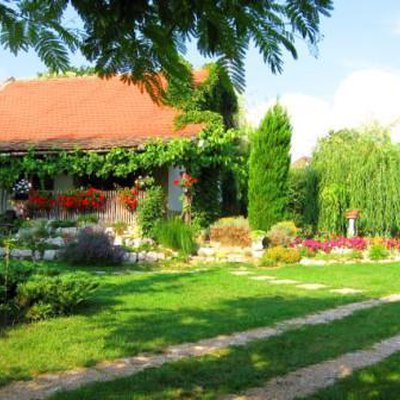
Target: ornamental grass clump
(377, 252)
(176, 235)
(231, 231)
(282, 234)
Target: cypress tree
(269, 168)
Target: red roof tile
(88, 112)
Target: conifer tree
(269, 167)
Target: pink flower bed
(355, 243)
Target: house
(91, 114)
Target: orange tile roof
(87, 112)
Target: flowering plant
(83, 200)
(41, 201)
(185, 181)
(354, 243)
(129, 198)
(21, 188)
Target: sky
(353, 81)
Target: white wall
(174, 192)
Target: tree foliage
(269, 167)
(358, 169)
(302, 207)
(143, 37)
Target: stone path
(284, 282)
(307, 286)
(309, 380)
(47, 384)
(346, 291)
(311, 286)
(263, 278)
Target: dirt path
(309, 380)
(47, 384)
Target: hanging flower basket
(21, 189)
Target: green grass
(374, 279)
(379, 382)
(239, 368)
(147, 312)
(135, 313)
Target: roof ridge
(7, 82)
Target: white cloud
(364, 96)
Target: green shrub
(93, 248)
(231, 231)
(377, 252)
(354, 255)
(87, 219)
(279, 254)
(60, 223)
(266, 262)
(175, 234)
(42, 297)
(282, 233)
(30, 235)
(36, 293)
(151, 210)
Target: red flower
(185, 181)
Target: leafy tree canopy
(143, 37)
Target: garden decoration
(186, 182)
(352, 217)
(20, 194)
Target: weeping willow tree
(358, 169)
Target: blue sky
(358, 65)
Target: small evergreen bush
(93, 248)
(43, 297)
(151, 210)
(175, 234)
(280, 255)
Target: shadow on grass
(235, 369)
(151, 329)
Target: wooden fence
(113, 210)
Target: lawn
(237, 368)
(134, 313)
(379, 382)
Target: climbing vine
(213, 146)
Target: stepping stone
(311, 286)
(240, 273)
(283, 282)
(263, 278)
(346, 291)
